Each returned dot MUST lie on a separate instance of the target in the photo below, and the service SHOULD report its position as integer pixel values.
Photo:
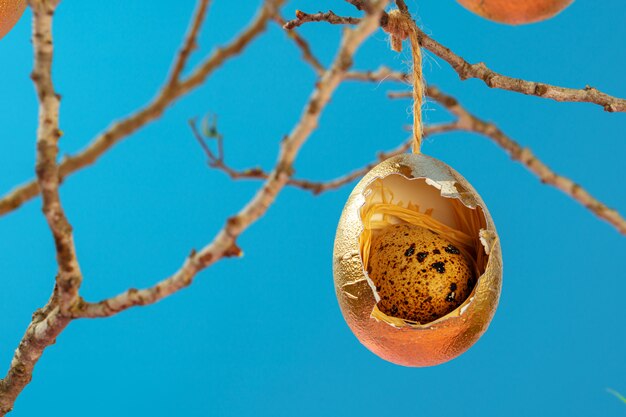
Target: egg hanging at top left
(10, 13)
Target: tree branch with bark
(480, 71)
(48, 322)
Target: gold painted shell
(417, 189)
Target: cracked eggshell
(395, 340)
(10, 13)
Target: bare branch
(48, 135)
(320, 187)
(401, 5)
(152, 111)
(329, 17)
(480, 71)
(381, 74)
(315, 187)
(307, 54)
(224, 244)
(42, 331)
(495, 80)
(469, 122)
(256, 27)
(52, 319)
(476, 125)
(214, 160)
(361, 5)
(189, 45)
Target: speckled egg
(419, 275)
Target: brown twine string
(400, 26)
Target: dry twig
(65, 303)
(465, 121)
(48, 322)
(381, 74)
(361, 5)
(315, 187)
(170, 93)
(48, 134)
(482, 72)
(469, 122)
(495, 80)
(302, 44)
(328, 16)
(188, 46)
(224, 244)
(153, 110)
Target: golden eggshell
(417, 344)
(10, 13)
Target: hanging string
(400, 26)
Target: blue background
(263, 335)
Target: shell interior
(422, 202)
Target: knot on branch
(399, 26)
